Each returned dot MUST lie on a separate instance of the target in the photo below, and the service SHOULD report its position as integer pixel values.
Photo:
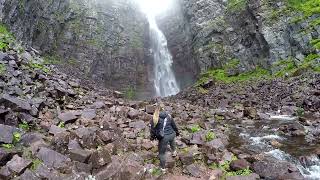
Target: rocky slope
(53, 128)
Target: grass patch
(61, 124)
(24, 125)
(38, 66)
(236, 5)
(210, 136)
(156, 172)
(6, 38)
(195, 128)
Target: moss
(37, 66)
(315, 43)
(2, 69)
(7, 146)
(16, 137)
(236, 5)
(289, 67)
(61, 124)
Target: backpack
(159, 131)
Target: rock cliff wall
(103, 40)
(252, 32)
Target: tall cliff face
(252, 32)
(103, 40)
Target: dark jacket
(170, 127)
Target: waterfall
(165, 82)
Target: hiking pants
(163, 144)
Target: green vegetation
(24, 125)
(225, 167)
(210, 136)
(2, 69)
(195, 128)
(236, 5)
(6, 38)
(35, 164)
(38, 66)
(7, 146)
(221, 75)
(130, 93)
(156, 172)
(290, 67)
(16, 137)
(52, 59)
(61, 124)
(315, 43)
(300, 112)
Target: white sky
(154, 7)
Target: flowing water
(255, 138)
(165, 82)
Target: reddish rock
(239, 164)
(17, 164)
(79, 155)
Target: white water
(165, 82)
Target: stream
(255, 137)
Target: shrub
(130, 93)
(24, 125)
(6, 38)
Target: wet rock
(15, 103)
(17, 164)
(88, 114)
(28, 175)
(272, 169)
(250, 112)
(53, 159)
(239, 164)
(6, 135)
(79, 155)
(67, 117)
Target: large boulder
(239, 164)
(15, 103)
(17, 165)
(79, 155)
(270, 168)
(53, 159)
(6, 134)
(67, 117)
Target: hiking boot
(163, 170)
(174, 154)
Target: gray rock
(88, 114)
(215, 145)
(67, 117)
(79, 155)
(53, 159)
(6, 135)
(252, 176)
(56, 130)
(17, 164)
(28, 175)
(194, 170)
(15, 103)
(133, 113)
(239, 164)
